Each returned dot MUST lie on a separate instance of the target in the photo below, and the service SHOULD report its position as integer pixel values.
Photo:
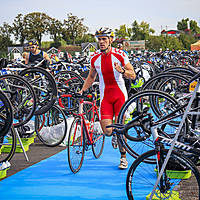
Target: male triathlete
(35, 54)
(110, 64)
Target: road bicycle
(85, 132)
(169, 170)
(179, 179)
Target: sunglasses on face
(32, 47)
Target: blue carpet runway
(98, 179)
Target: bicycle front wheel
(98, 138)
(76, 145)
(180, 180)
(159, 104)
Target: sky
(108, 13)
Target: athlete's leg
(104, 123)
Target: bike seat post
(81, 106)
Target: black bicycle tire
(9, 114)
(71, 73)
(97, 155)
(159, 77)
(125, 107)
(38, 132)
(12, 148)
(54, 90)
(74, 75)
(181, 70)
(68, 148)
(144, 156)
(28, 85)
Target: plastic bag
(53, 134)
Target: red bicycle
(85, 131)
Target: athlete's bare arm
(46, 57)
(129, 71)
(89, 80)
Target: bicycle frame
(89, 126)
(174, 142)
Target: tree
(5, 36)
(123, 32)
(37, 25)
(19, 29)
(141, 31)
(183, 24)
(187, 40)
(73, 28)
(55, 29)
(154, 43)
(194, 27)
(86, 38)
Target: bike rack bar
(21, 144)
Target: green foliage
(73, 28)
(141, 31)
(194, 27)
(85, 38)
(123, 32)
(55, 44)
(5, 35)
(72, 31)
(156, 42)
(19, 29)
(55, 29)
(46, 44)
(183, 24)
(187, 40)
(37, 25)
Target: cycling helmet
(32, 42)
(104, 32)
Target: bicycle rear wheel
(76, 145)
(67, 83)
(98, 138)
(44, 87)
(21, 96)
(51, 127)
(180, 180)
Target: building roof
(86, 45)
(52, 49)
(171, 32)
(12, 49)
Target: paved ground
(37, 152)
